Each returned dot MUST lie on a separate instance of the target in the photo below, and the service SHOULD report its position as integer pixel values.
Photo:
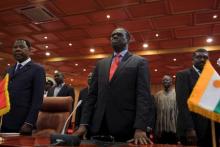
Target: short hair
(127, 33)
(199, 50)
(26, 41)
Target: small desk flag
(205, 97)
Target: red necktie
(114, 66)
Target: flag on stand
(205, 97)
(4, 96)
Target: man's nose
(17, 48)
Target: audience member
(165, 100)
(82, 96)
(192, 128)
(49, 84)
(61, 89)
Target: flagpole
(213, 133)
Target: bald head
(167, 81)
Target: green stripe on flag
(217, 108)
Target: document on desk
(9, 134)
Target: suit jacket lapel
(122, 64)
(61, 90)
(107, 68)
(194, 76)
(24, 68)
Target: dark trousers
(167, 138)
(105, 134)
(205, 141)
(201, 142)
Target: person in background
(166, 115)
(82, 96)
(26, 89)
(119, 99)
(49, 84)
(192, 128)
(61, 89)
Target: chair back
(53, 114)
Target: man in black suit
(61, 89)
(26, 89)
(82, 96)
(119, 99)
(192, 128)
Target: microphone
(64, 139)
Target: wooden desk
(28, 141)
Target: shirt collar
(24, 62)
(197, 70)
(122, 53)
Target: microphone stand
(64, 139)
(64, 127)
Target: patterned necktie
(114, 66)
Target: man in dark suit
(192, 128)
(61, 89)
(26, 89)
(119, 99)
(82, 96)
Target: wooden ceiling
(173, 29)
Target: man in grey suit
(119, 100)
(26, 89)
(192, 128)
